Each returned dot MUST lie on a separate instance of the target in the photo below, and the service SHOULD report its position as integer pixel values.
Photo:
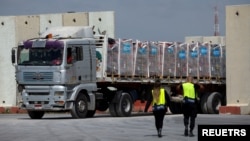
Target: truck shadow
(62, 116)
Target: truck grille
(38, 94)
(38, 76)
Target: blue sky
(164, 20)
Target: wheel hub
(81, 106)
(126, 105)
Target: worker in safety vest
(159, 100)
(189, 90)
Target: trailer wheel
(203, 103)
(124, 106)
(80, 107)
(214, 101)
(36, 114)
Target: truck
(72, 69)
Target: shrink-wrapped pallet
(217, 61)
(141, 59)
(169, 59)
(154, 60)
(223, 62)
(126, 58)
(204, 60)
(193, 67)
(112, 58)
(181, 60)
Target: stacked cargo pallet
(127, 58)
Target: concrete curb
(235, 110)
(11, 110)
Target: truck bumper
(44, 98)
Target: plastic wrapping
(141, 59)
(168, 57)
(204, 60)
(154, 60)
(223, 75)
(193, 59)
(126, 57)
(217, 61)
(113, 58)
(181, 60)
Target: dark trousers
(190, 114)
(159, 117)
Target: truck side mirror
(13, 56)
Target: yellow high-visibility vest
(188, 90)
(162, 100)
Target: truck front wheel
(80, 107)
(36, 114)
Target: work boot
(159, 133)
(191, 133)
(186, 132)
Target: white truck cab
(57, 72)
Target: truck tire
(214, 101)
(36, 114)
(112, 109)
(124, 106)
(203, 103)
(80, 107)
(113, 104)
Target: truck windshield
(39, 56)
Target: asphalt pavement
(103, 127)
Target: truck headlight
(59, 93)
